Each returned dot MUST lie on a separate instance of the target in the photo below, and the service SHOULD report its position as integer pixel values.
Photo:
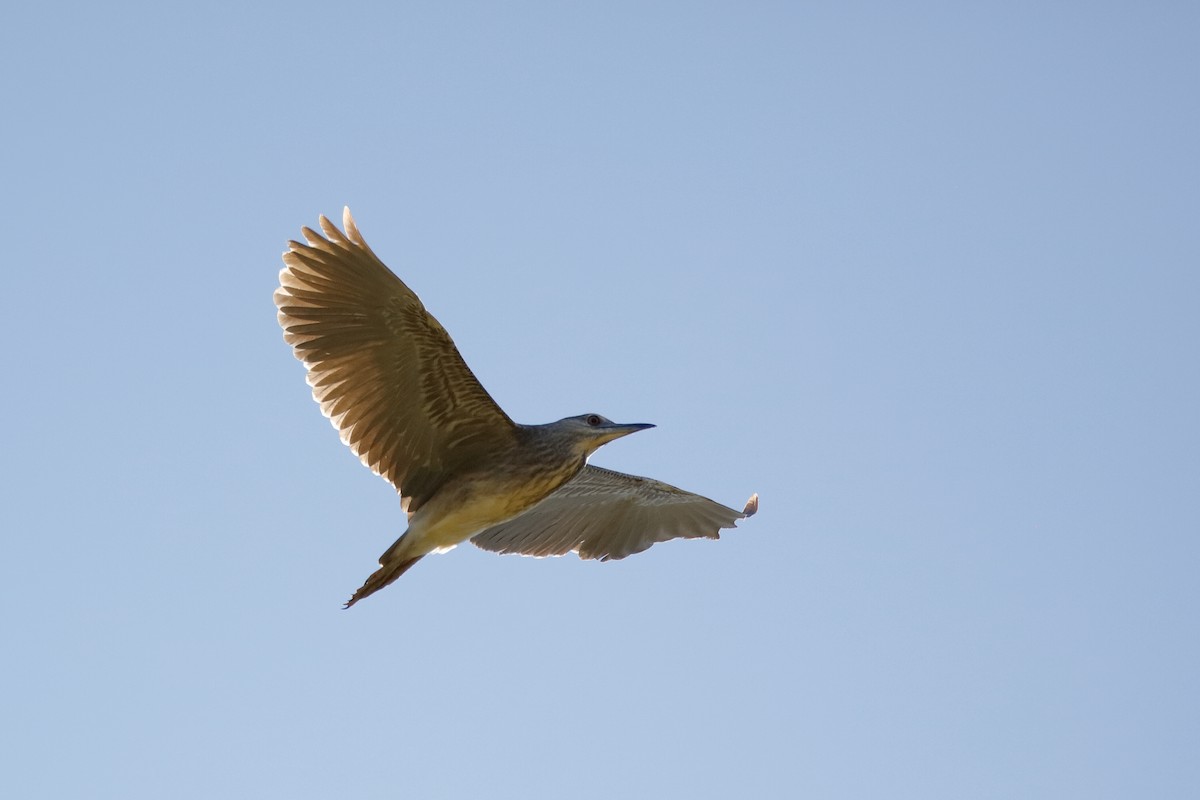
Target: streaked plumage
(393, 384)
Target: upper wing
(384, 371)
(604, 514)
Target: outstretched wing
(383, 370)
(607, 515)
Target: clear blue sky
(927, 279)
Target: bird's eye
(593, 420)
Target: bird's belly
(455, 516)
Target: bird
(392, 383)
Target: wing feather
(381, 367)
(606, 515)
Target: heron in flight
(389, 378)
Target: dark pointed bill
(617, 430)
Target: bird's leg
(381, 577)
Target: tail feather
(381, 578)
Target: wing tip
(751, 506)
(351, 227)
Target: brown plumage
(389, 378)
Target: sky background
(927, 279)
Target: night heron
(391, 381)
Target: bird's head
(589, 431)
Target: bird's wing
(383, 370)
(608, 515)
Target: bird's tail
(386, 573)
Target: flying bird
(389, 378)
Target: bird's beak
(616, 431)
